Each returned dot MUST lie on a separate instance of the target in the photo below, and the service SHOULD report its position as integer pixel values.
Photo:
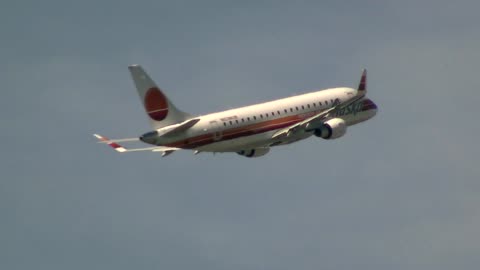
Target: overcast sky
(397, 192)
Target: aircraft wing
(117, 147)
(326, 114)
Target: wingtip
(101, 138)
(113, 145)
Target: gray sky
(397, 192)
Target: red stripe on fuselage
(234, 133)
(253, 129)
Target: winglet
(362, 86)
(114, 145)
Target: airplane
(248, 131)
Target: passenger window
(291, 109)
(303, 107)
(248, 118)
(273, 114)
(308, 106)
(243, 120)
(285, 110)
(296, 108)
(254, 118)
(231, 123)
(278, 112)
(225, 124)
(236, 121)
(314, 104)
(261, 116)
(320, 103)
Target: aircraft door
(217, 132)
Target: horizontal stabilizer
(174, 129)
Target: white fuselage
(253, 126)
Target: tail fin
(158, 107)
(362, 86)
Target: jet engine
(331, 129)
(256, 152)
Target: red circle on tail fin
(156, 104)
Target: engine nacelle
(256, 152)
(332, 129)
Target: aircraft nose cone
(370, 108)
(375, 108)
